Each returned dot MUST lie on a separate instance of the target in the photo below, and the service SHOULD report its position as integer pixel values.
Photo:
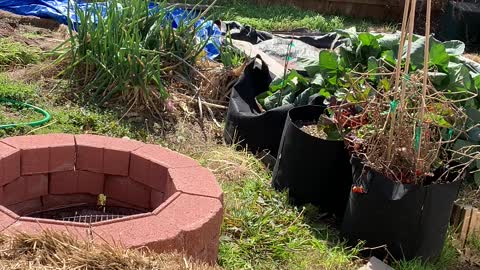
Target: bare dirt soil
(42, 33)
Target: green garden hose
(26, 105)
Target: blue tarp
(58, 9)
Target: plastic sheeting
(58, 10)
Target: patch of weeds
(31, 35)
(448, 259)
(14, 53)
(15, 90)
(474, 243)
(12, 113)
(67, 117)
(230, 56)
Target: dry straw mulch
(51, 250)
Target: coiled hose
(46, 115)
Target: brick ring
(181, 202)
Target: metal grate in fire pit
(86, 213)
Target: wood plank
(475, 222)
(455, 218)
(467, 216)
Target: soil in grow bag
(411, 220)
(314, 170)
(246, 124)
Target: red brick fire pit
(155, 197)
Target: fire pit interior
(86, 213)
(124, 190)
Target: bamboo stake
(398, 71)
(425, 73)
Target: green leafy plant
(334, 72)
(126, 50)
(230, 56)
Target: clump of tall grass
(128, 49)
(14, 54)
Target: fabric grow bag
(245, 123)
(411, 220)
(313, 170)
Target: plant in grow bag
(404, 127)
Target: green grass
(32, 35)
(14, 53)
(16, 90)
(474, 243)
(286, 17)
(260, 230)
(448, 259)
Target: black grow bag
(245, 123)
(411, 220)
(313, 170)
(461, 21)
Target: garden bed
(260, 230)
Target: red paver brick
(7, 218)
(90, 182)
(139, 168)
(116, 187)
(165, 157)
(53, 201)
(195, 180)
(35, 226)
(156, 198)
(37, 185)
(25, 188)
(9, 163)
(195, 230)
(14, 192)
(157, 234)
(116, 159)
(126, 190)
(35, 160)
(34, 152)
(27, 207)
(157, 176)
(90, 152)
(200, 220)
(63, 182)
(62, 152)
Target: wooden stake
(398, 71)
(425, 74)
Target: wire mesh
(87, 213)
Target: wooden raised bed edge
(466, 222)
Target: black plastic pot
(411, 220)
(313, 170)
(245, 123)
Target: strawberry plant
(335, 71)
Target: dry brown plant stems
(425, 72)
(398, 69)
